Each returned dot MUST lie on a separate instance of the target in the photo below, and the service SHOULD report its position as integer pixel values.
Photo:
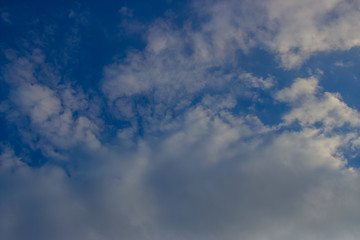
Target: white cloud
(181, 62)
(310, 106)
(171, 73)
(307, 27)
(49, 105)
(293, 30)
(300, 89)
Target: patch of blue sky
(339, 73)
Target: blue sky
(179, 120)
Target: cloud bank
(172, 143)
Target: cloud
(8, 158)
(213, 175)
(180, 62)
(343, 64)
(125, 12)
(194, 160)
(293, 30)
(49, 107)
(171, 73)
(112, 202)
(310, 106)
(219, 175)
(308, 27)
(5, 16)
(39, 101)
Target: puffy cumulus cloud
(310, 106)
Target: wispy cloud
(5, 16)
(343, 64)
(47, 106)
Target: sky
(180, 120)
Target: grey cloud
(97, 204)
(217, 176)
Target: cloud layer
(173, 144)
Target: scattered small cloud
(343, 64)
(126, 12)
(5, 16)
